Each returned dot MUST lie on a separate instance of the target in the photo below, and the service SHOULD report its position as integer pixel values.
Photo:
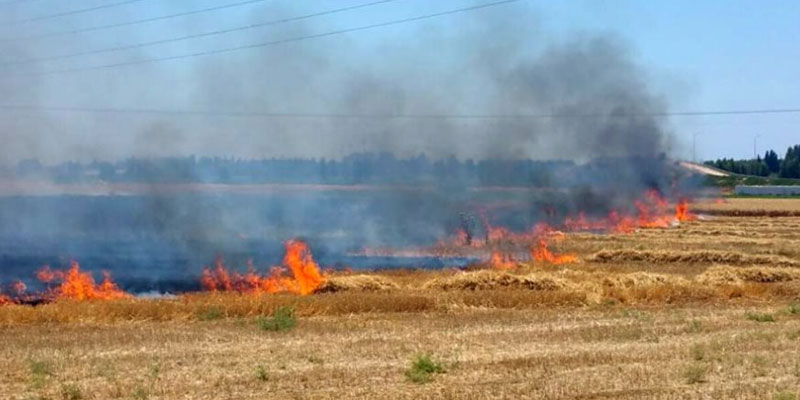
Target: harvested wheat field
(705, 309)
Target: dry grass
(647, 315)
(598, 352)
(366, 283)
(669, 257)
(496, 280)
(751, 207)
(718, 275)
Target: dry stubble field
(704, 310)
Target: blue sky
(708, 55)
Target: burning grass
(305, 278)
(608, 327)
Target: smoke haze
(488, 62)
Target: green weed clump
(695, 373)
(422, 369)
(210, 314)
(784, 395)
(282, 320)
(760, 317)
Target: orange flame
(502, 261)
(4, 299)
(305, 270)
(541, 253)
(682, 212)
(78, 285)
(652, 211)
(306, 276)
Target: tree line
(361, 168)
(769, 165)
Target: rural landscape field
(399, 199)
(705, 309)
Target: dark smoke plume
(520, 94)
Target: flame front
(4, 299)
(78, 285)
(541, 253)
(306, 276)
(682, 212)
(652, 211)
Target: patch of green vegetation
(695, 373)
(733, 180)
(784, 395)
(315, 360)
(760, 317)
(760, 365)
(210, 314)
(793, 309)
(422, 369)
(695, 326)
(141, 393)
(261, 373)
(71, 392)
(282, 320)
(698, 352)
(40, 370)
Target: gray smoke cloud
(592, 98)
(488, 62)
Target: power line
(256, 114)
(134, 22)
(71, 12)
(195, 36)
(271, 43)
(9, 2)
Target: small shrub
(760, 317)
(793, 308)
(698, 352)
(210, 314)
(141, 393)
(760, 365)
(282, 320)
(695, 326)
(261, 373)
(784, 395)
(71, 392)
(155, 371)
(695, 373)
(315, 360)
(40, 370)
(422, 369)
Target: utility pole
(694, 147)
(755, 140)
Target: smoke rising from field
(591, 98)
(488, 62)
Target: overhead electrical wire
(130, 23)
(195, 36)
(9, 2)
(266, 44)
(257, 114)
(71, 12)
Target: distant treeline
(362, 168)
(769, 165)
